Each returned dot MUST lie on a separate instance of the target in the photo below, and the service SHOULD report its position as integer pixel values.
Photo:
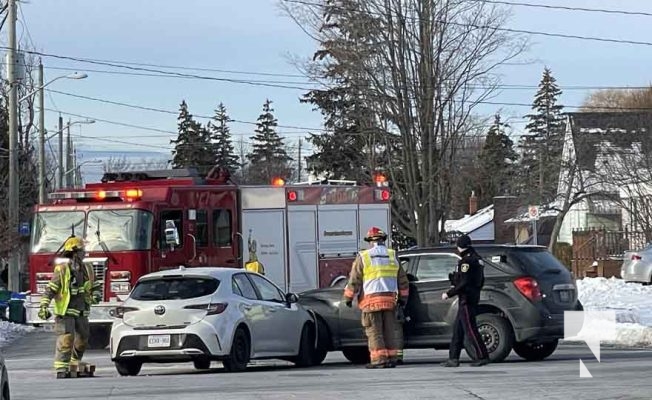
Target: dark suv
(522, 304)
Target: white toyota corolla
(206, 314)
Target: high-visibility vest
(380, 271)
(62, 299)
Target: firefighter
(467, 283)
(73, 289)
(376, 277)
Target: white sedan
(205, 314)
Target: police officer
(466, 282)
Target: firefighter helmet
(375, 234)
(73, 243)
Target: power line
(177, 74)
(159, 110)
(568, 8)
(495, 28)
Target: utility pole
(41, 136)
(14, 268)
(60, 152)
(68, 156)
(299, 163)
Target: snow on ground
(10, 331)
(631, 303)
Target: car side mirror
(412, 278)
(291, 298)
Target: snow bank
(10, 331)
(631, 303)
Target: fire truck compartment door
(374, 215)
(264, 236)
(302, 247)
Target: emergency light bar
(128, 195)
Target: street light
(41, 153)
(74, 75)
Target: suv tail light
(528, 287)
(211, 308)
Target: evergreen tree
(221, 137)
(268, 158)
(192, 148)
(497, 164)
(543, 145)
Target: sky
(246, 39)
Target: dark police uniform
(467, 282)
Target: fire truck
(306, 235)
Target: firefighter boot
(62, 373)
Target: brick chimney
(473, 203)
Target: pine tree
(543, 145)
(268, 158)
(192, 148)
(497, 164)
(222, 143)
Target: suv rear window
(174, 288)
(539, 261)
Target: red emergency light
(292, 195)
(382, 194)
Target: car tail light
(636, 257)
(528, 287)
(120, 311)
(211, 308)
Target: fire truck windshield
(119, 229)
(51, 229)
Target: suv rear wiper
(103, 245)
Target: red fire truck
(306, 235)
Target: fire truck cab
(305, 235)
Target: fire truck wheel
(100, 336)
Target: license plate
(564, 296)
(158, 341)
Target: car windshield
(51, 229)
(174, 288)
(119, 229)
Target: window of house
(222, 227)
(175, 216)
(201, 225)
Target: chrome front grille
(99, 272)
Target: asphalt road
(622, 374)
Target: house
(487, 224)
(605, 149)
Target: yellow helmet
(73, 243)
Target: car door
(253, 310)
(282, 321)
(426, 310)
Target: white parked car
(206, 314)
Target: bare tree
(116, 164)
(425, 65)
(619, 100)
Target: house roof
(471, 223)
(593, 130)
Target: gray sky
(254, 36)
